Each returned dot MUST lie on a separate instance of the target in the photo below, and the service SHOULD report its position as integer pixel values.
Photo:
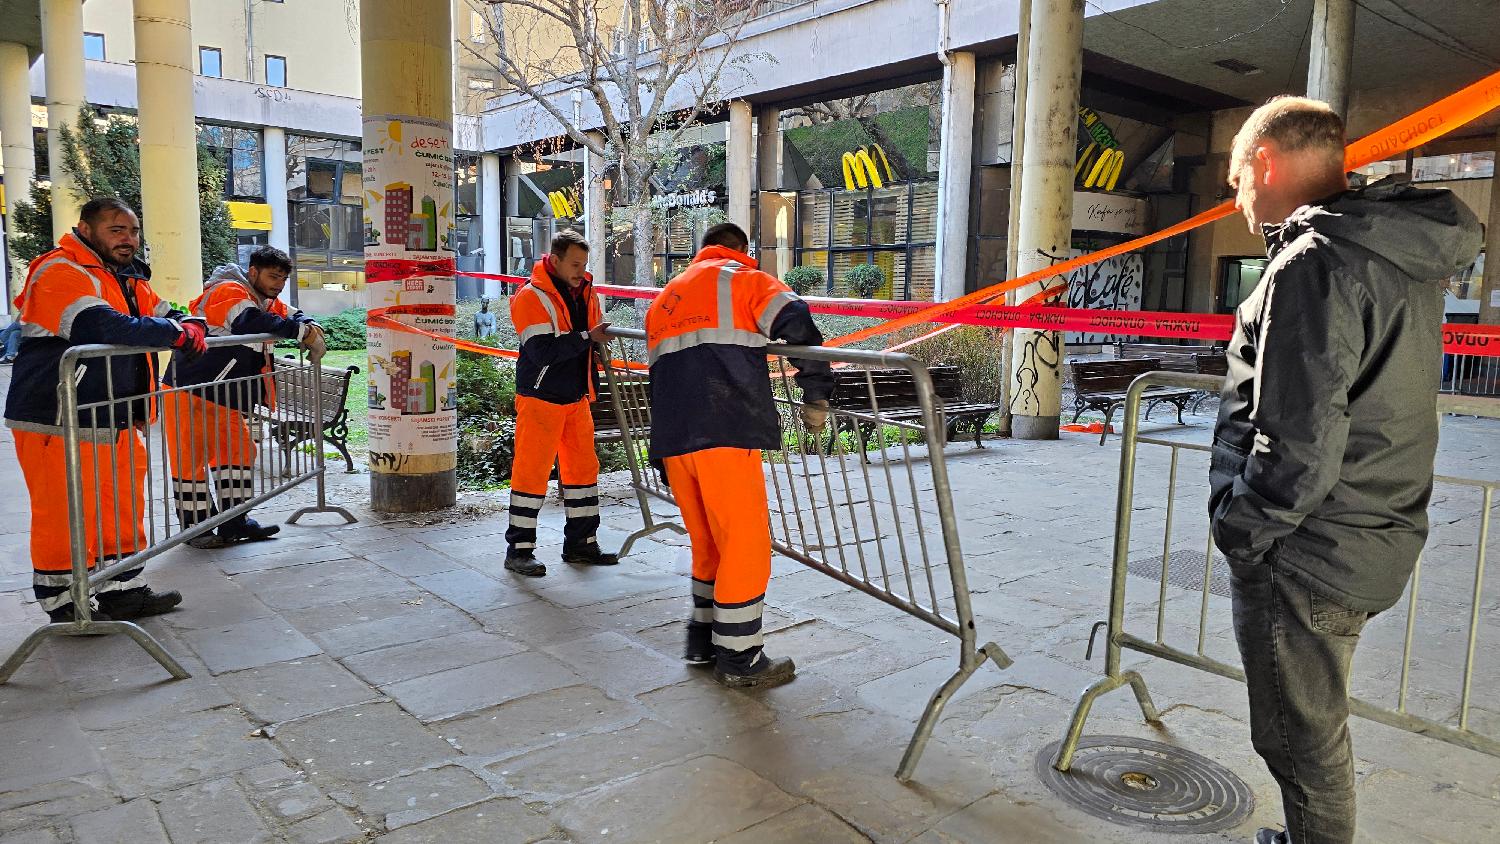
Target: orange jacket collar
(724, 253)
(543, 280)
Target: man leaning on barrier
(559, 323)
(92, 289)
(712, 413)
(207, 428)
(1323, 454)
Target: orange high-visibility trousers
(548, 433)
(722, 495)
(114, 508)
(203, 435)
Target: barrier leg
(650, 525)
(1064, 758)
(93, 628)
(148, 643)
(30, 644)
(990, 651)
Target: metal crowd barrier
(147, 522)
(885, 526)
(1471, 375)
(1455, 725)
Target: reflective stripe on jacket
(230, 305)
(72, 298)
(706, 337)
(557, 362)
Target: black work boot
(767, 672)
(65, 615)
(137, 603)
(700, 645)
(207, 541)
(523, 563)
(588, 554)
(246, 529)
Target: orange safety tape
(1410, 132)
(381, 318)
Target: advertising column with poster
(409, 262)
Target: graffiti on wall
(1113, 284)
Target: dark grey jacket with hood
(1322, 458)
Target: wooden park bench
(895, 394)
(1203, 360)
(291, 422)
(1102, 384)
(606, 424)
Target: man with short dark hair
(711, 415)
(559, 324)
(1323, 454)
(207, 426)
(92, 288)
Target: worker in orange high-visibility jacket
(92, 289)
(559, 325)
(711, 414)
(207, 426)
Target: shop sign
(685, 199)
(1104, 212)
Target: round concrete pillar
(1044, 235)
(16, 152)
(407, 71)
(62, 49)
(168, 146)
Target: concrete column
(491, 213)
(1331, 53)
(955, 169)
(1489, 291)
(1044, 235)
(168, 146)
(1013, 209)
(16, 152)
(62, 46)
(406, 66)
(273, 173)
(738, 161)
(768, 149)
(596, 206)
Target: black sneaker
(768, 672)
(589, 555)
(1266, 835)
(137, 603)
(65, 615)
(246, 530)
(522, 563)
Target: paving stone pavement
(388, 680)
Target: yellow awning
(249, 215)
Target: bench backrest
(1109, 376)
(1212, 363)
(1172, 358)
(893, 388)
(294, 394)
(603, 408)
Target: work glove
(192, 342)
(815, 415)
(315, 343)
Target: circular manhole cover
(1148, 784)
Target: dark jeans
(1297, 647)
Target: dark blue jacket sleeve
(546, 349)
(794, 324)
(257, 321)
(104, 324)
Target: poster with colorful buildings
(409, 221)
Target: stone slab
(361, 744)
(209, 813)
(707, 709)
(583, 762)
(500, 819)
(135, 822)
(330, 827)
(253, 643)
(164, 699)
(42, 749)
(667, 805)
(415, 797)
(619, 665)
(459, 690)
(153, 756)
(804, 824)
(429, 656)
(295, 688)
(425, 618)
(542, 718)
(472, 591)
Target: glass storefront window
(239, 151)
